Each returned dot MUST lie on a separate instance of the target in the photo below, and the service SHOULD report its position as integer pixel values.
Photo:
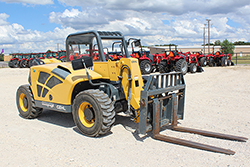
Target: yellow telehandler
(94, 88)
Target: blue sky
(30, 25)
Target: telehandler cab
(95, 90)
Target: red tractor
(147, 61)
(23, 61)
(114, 54)
(62, 55)
(173, 61)
(219, 59)
(202, 59)
(14, 63)
(193, 62)
(32, 56)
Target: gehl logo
(51, 105)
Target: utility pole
(208, 20)
(204, 39)
(58, 46)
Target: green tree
(217, 43)
(228, 47)
(241, 43)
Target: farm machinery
(219, 59)
(147, 61)
(14, 63)
(94, 91)
(173, 61)
(193, 62)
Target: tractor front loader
(94, 91)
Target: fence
(241, 58)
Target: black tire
(30, 63)
(146, 67)
(93, 112)
(193, 68)
(23, 64)
(211, 62)
(223, 61)
(203, 62)
(10, 64)
(181, 66)
(229, 62)
(15, 63)
(25, 103)
(163, 68)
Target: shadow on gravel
(130, 126)
(57, 118)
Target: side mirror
(81, 63)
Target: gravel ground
(216, 100)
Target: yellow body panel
(51, 60)
(107, 69)
(136, 83)
(110, 70)
(62, 92)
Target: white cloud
(136, 18)
(35, 2)
(14, 38)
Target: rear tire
(146, 67)
(211, 62)
(30, 63)
(181, 66)
(229, 63)
(15, 63)
(25, 103)
(93, 112)
(163, 68)
(223, 61)
(203, 62)
(10, 64)
(23, 64)
(193, 68)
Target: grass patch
(241, 61)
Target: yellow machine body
(55, 83)
(50, 60)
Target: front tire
(10, 64)
(229, 62)
(193, 68)
(23, 64)
(25, 103)
(163, 67)
(15, 63)
(211, 62)
(146, 67)
(93, 112)
(181, 66)
(223, 61)
(203, 62)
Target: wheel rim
(205, 63)
(184, 67)
(147, 67)
(85, 106)
(194, 69)
(23, 102)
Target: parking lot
(216, 100)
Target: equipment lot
(216, 100)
